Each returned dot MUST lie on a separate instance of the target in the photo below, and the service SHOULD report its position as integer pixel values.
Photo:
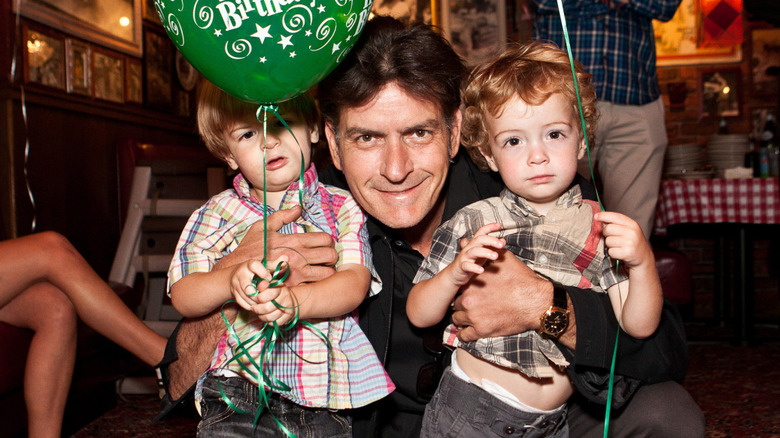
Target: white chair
(163, 194)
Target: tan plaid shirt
(565, 247)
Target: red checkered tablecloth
(753, 201)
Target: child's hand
(474, 253)
(241, 282)
(624, 239)
(268, 312)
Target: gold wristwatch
(556, 319)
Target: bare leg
(49, 368)
(49, 257)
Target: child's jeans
(220, 420)
(463, 409)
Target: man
(393, 127)
(615, 42)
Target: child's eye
(247, 135)
(554, 135)
(512, 141)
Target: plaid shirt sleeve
(352, 243)
(445, 246)
(206, 238)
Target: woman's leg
(49, 368)
(49, 257)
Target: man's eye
(420, 136)
(365, 138)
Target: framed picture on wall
(720, 93)
(476, 29)
(112, 23)
(109, 75)
(676, 41)
(765, 44)
(79, 67)
(44, 59)
(158, 69)
(418, 11)
(134, 84)
(149, 12)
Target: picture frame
(149, 13)
(158, 70)
(115, 24)
(720, 93)
(134, 83)
(79, 67)
(44, 58)
(408, 11)
(765, 47)
(676, 41)
(476, 30)
(108, 75)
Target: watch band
(559, 296)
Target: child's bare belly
(545, 394)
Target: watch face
(556, 322)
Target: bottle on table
(769, 148)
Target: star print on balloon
(264, 51)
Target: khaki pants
(629, 155)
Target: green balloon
(264, 51)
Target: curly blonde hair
(533, 72)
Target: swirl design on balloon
(181, 5)
(239, 49)
(202, 17)
(351, 21)
(295, 18)
(175, 31)
(325, 32)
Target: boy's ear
(491, 162)
(314, 134)
(231, 161)
(333, 147)
(583, 147)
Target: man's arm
(508, 298)
(311, 257)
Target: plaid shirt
(614, 44)
(349, 375)
(565, 246)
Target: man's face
(394, 154)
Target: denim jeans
(463, 409)
(220, 420)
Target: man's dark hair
(417, 58)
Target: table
(738, 204)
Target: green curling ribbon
(593, 178)
(269, 333)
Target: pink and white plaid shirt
(349, 374)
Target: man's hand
(508, 298)
(311, 256)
